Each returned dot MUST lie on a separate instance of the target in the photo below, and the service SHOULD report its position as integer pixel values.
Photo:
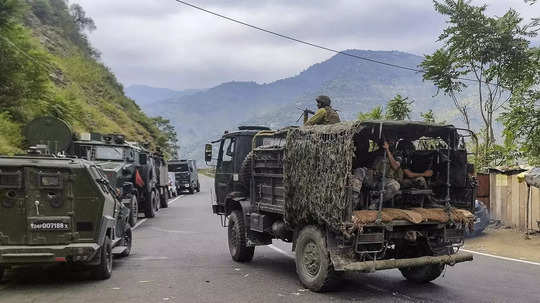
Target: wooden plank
(514, 199)
(495, 212)
(523, 224)
(535, 205)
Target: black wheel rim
(311, 259)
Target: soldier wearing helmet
(325, 114)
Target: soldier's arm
(318, 117)
(395, 164)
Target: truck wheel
(165, 199)
(149, 207)
(238, 248)
(104, 270)
(191, 191)
(134, 211)
(156, 202)
(198, 187)
(313, 264)
(422, 274)
(2, 270)
(127, 241)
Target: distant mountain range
(353, 85)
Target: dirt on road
(506, 243)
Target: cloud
(166, 44)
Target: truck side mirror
(143, 159)
(208, 152)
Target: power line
(317, 45)
(298, 40)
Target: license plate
(49, 226)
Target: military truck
(185, 174)
(59, 210)
(301, 185)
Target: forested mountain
(146, 95)
(354, 86)
(48, 67)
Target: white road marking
(139, 223)
(500, 257)
(143, 220)
(147, 258)
(174, 200)
(172, 231)
(281, 251)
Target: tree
(494, 51)
(374, 114)
(398, 108)
(168, 140)
(80, 18)
(428, 116)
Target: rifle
(305, 114)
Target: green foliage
(398, 108)
(522, 124)
(493, 50)
(428, 116)
(10, 136)
(374, 114)
(63, 80)
(168, 140)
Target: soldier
(325, 114)
(395, 176)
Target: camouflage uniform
(325, 114)
(392, 180)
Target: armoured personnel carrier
(317, 187)
(57, 209)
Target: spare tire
(244, 175)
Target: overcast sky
(165, 44)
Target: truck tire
(149, 207)
(422, 274)
(134, 211)
(127, 241)
(238, 248)
(164, 199)
(191, 190)
(2, 270)
(157, 199)
(103, 271)
(244, 174)
(198, 188)
(313, 264)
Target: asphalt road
(182, 256)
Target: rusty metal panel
(484, 189)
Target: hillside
(58, 73)
(146, 95)
(353, 85)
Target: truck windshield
(178, 167)
(109, 153)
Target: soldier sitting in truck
(395, 177)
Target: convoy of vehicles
(300, 185)
(58, 209)
(186, 175)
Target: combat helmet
(323, 100)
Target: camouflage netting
(317, 169)
(415, 215)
